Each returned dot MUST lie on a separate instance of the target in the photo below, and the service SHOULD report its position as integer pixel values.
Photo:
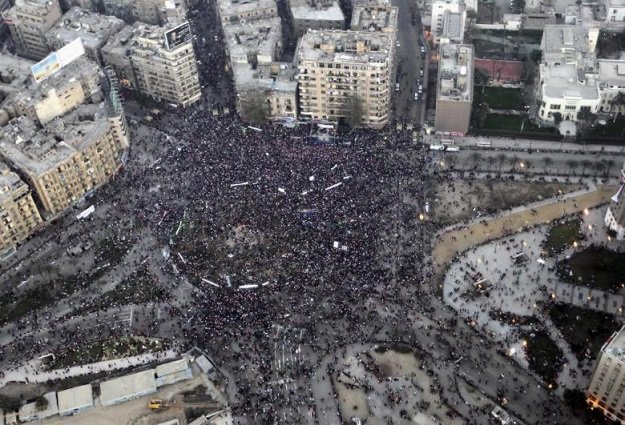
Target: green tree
(480, 77)
(572, 164)
(585, 164)
(548, 162)
(476, 157)
(617, 102)
(557, 118)
(41, 403)
(586, 116)
(254, 107)
(354, 111)
(482, 112)
(502, 160)
(536, 56)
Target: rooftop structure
(75, 400)
(92, 28)
(128, 387)
(374, 18)
(235, 11)
(153, 12)
(254, 43)
(345, 46)
(316, 14)
(14, 76)
(453, 27)
(454, 94)
(439, 9)
(611, 80)
(564, 44)
(30, 411)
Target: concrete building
(242, 11)
(92, 28)
(453, 27)
(28, 21)
(440, 9)
(342, 71)
(565, 44)
(4, 29)
(454, 92)
(144, 60)
(316, 14)
(75, 400)
(565, 89)
(153, 12)
(611, 78)
(15, 76)
(19, 216)
(30, 412)
(128, 387)
(607, 386)
(68, 157)
(254, 43)
(71, 86)
(376, 17)
(615, 12)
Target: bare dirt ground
(458, 200)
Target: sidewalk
(31, 373)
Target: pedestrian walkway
(450, 243)
(33, 373)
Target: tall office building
(158, 61)
(19, 216)
(341, 69)
(454, 93)
(28, 21)
(607, 386)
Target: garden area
(514, 123)
(596, 267)
(584, 330)
(500, 98)
(562, 235)
(544, 357)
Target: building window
(554, 107)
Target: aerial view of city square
(312, 212)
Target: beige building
(242, 11)
(375, 17)
(28, 21)
(14, 77)
(68, 157)
(92, 28)
(19, 216)
(72, 85)
(143, 59)
(454, 93)
(316, 15)
(607, 386)
(153, 12)
(340, 69)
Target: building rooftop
(616, 3)
(615, 345)
(10, 183)
(560, 37)
(453, 25)
(255, 38)
(345, 46)
(14, 74)
(120, 42)
(36, 151)
(612, 72)
(374, 18)
(455, 81)
(236, 7)
(314, 10)
(127, 386)
(30, 412)
(75, 398)
(564, 81)
(92, 28)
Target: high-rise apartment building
(158, 61)
(28, 21)
(19, 216)
(68, 157)
(92, 28)
(607, 386)
(374, 17)
(343, 70)
(454, 93)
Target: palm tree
(571, 163)
(585, 164)
(599, 167)
(502, 159)
(609, 163)
(548, 163)
(513, 162)
(476, 157)
(617, 102)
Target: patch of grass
(544, 357)
(585, 330)
(514, 123)
(562, 235)
(107, 350)
(501, 97)
(595, 266)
